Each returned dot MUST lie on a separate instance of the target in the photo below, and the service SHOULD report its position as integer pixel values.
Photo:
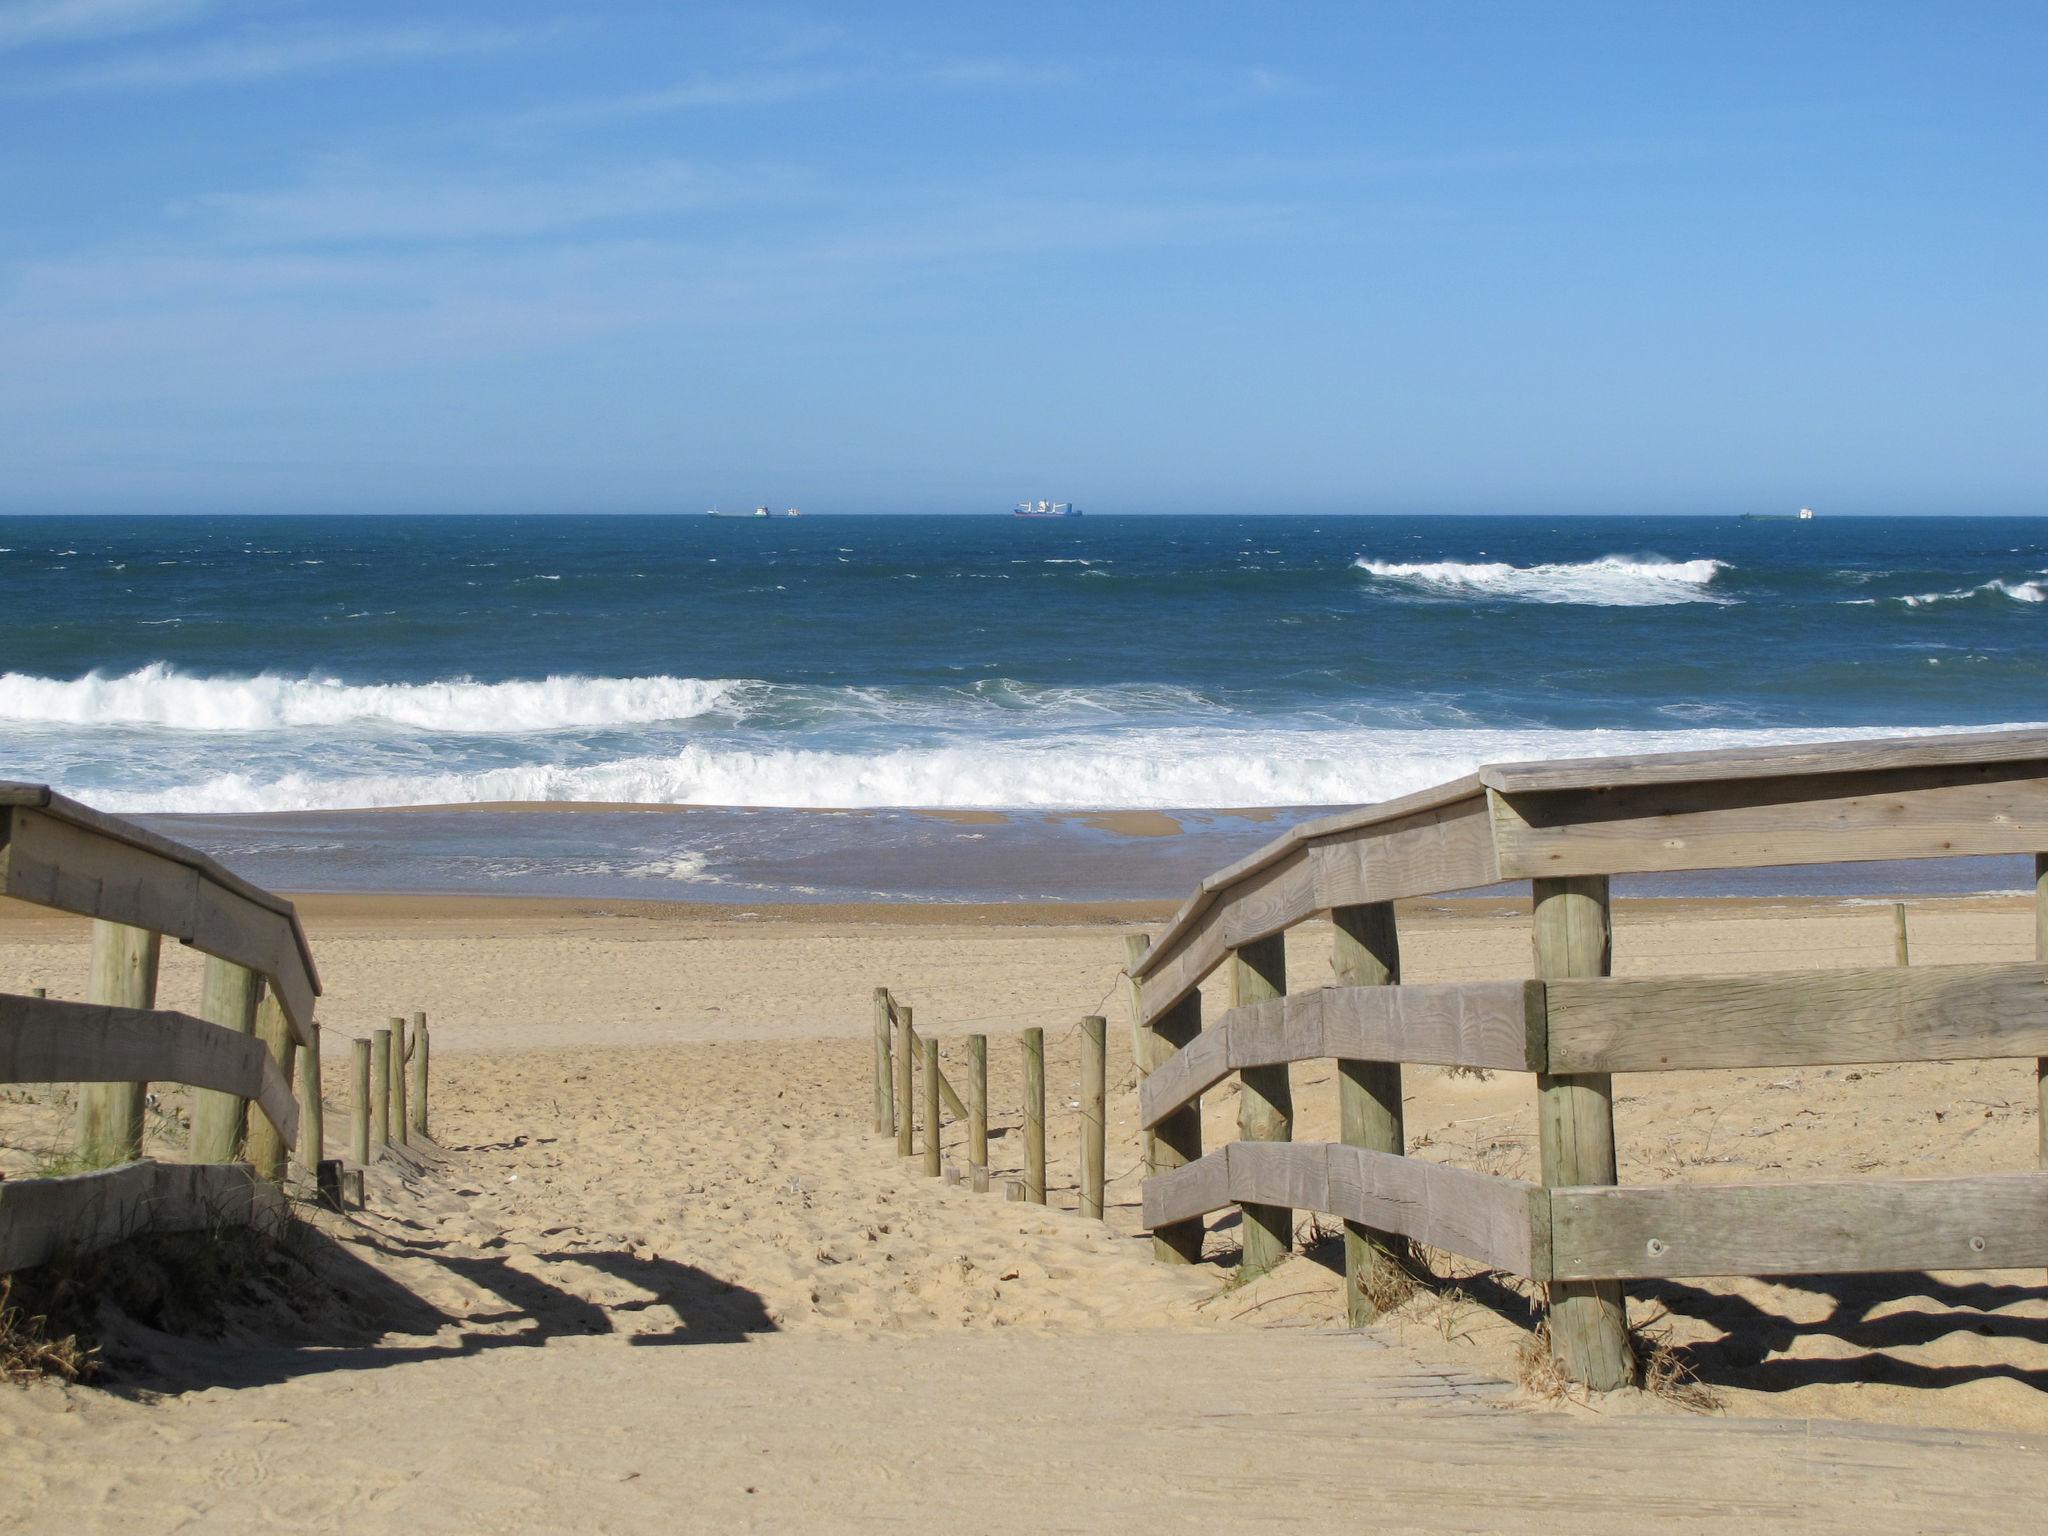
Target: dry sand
(654, 1129)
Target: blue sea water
(308, 666)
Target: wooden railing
(255, 1015)
(1567, 827)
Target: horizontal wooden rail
(58, 853)
(1912, 798)
(1805, 1018)
(48, 1219)
(45, 1040)
(1822, 1226)
(1500, 1222)
(1494, 1024)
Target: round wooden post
(400, 1055)
(1094, 1109)
(416, 1107)
(228, 995)
(931, 1108)
(1265, 1106)
(312, 1107)
(977, 1103)
(380, 1089)
(885, 1084)
(267, 1150)
(1588, 1318)
(1135, 945)
(1034, 1115)
(359, 1109)
(904, 1113)
(2041, 953)
(124, 966)
(1366, 952)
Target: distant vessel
(792, 512)
(761, 512)
(1045, 509)
(1803, 515)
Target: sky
(265, 255)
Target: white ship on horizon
(1045, 509)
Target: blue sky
(1434, 257)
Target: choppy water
(227, 665)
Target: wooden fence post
(312, 1107)
(885, 1080)
(359, 1138)
(1135, 945)
(977, 1105)
(266, 1142)
(228, 998)
(124, 966)
(380, 1089)
(931, 1109)
(1034, 1115)
(1176, 1140)
(1900, 952)
(400, 1055)
(417, 1107)
(904, 1112)
(1366, 952)
(1265, 1106)
(2041, 953)
(1588, 1318)
(1094, 1110)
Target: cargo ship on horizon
(1045, 509)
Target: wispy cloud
(356, 203)
(263, 56)
(28, 22)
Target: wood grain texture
(1265, 1104)
(123, 975)
(1094, 1111)
(46, 1040)
(1189, 1192)
(360, 1140)
(1033, 1043)
(1905, 813)
(884, 1068)
(1829, 1226)
(1493, 1024)
(227, 997)
(65, 856)
(1365, 953)
(47, 1219)
(274, 1127)
(1807, 1018)
(311, 1142)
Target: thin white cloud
(29, 22)
(268, 55)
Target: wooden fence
(1567, 827)
(900, 1053)
(254, 1032)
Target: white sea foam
(2035, 591)
(1179, 767)
(1612, 581)
(158, 695)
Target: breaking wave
(1612, 581)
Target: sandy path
(690, 1161)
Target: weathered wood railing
(255, 1014)
(1567, 827)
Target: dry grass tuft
(28, 1349)
(1661, 1371)
(1387, 1284)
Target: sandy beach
(652, 1126)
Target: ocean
(257, 685)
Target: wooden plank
(46, 1219)
(1493, 1024)
(1575, 1133)
(1908, 813)
(1445, 844)
(1824, 1226)
(1946, 749)
(1189, 1192)
(1804, 1018)
(1289, 1175)
(1500, 1222)
(1188, 1073)
(71, 862)
(45, 1040)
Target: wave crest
(1612, 581)
(159, 695)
